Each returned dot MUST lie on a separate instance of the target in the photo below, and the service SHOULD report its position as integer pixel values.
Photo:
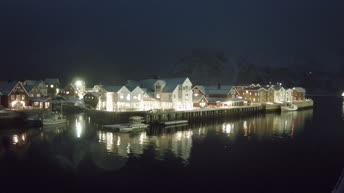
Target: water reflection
(285, 125)
(106, 146)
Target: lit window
(23, 97)
(246, 91)
(157, 96)
(121, 96)
(67, 92)
(38, 95)
(196, 94)
(250, 93)
(139, 97)
(51, 86)
(128, 97)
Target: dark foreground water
(290, 152)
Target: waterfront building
(13, 95)
(53, 86)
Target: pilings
(162, 116)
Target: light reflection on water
(179, 141)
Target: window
(158, 96)
(23, 97)
(67, 92)
(128, 97)
(38, 95)
(121, 96)
(139, 97)
(12, 97)
(51, 86)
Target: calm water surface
(290, 152)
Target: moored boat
(135, 123)
(289, 107)
(53, 119)
(177, 122)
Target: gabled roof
(197, 99)
(31, 82)
(7, 87)
(52, 81)
(172, 83)
(132, 84)
(200, 87)
(29, 88)
(148, 84)
(218, 89)
(255, 88)
(96, 94)
(71, 85)
(299, 89)
(39, 99)
(109, 88)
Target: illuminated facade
(13, 95)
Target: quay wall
(104, 117)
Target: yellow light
(109, 102)
(15, 139)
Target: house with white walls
(113, 98)
(172, 93)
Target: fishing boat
(53, 119)
(135, 123)
(289, 107)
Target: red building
(13, 95)
(299, 93)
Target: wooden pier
(156, 117)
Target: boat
(34, 121)
(135, 123)
(289, 107)
(53, 119)
(178, 122)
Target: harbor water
(299, 151)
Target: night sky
(116, 39)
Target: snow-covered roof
(218, 89)
(132, 84)
(148, 84)
(200, 87)
(197, 99)
(31, 82)
(172, 83)
(52, 81)
(39, 99)
(29, 88)
(6, 87)
(109, 88)
(254, 88)
(299, 89)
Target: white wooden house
(113, 98)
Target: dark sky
(114, 39)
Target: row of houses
(28, 93)
(144, 95)
(230, 95)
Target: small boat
(135, 123)
(289, 107)
(178, 122)
(34, 121)
(53, 119)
